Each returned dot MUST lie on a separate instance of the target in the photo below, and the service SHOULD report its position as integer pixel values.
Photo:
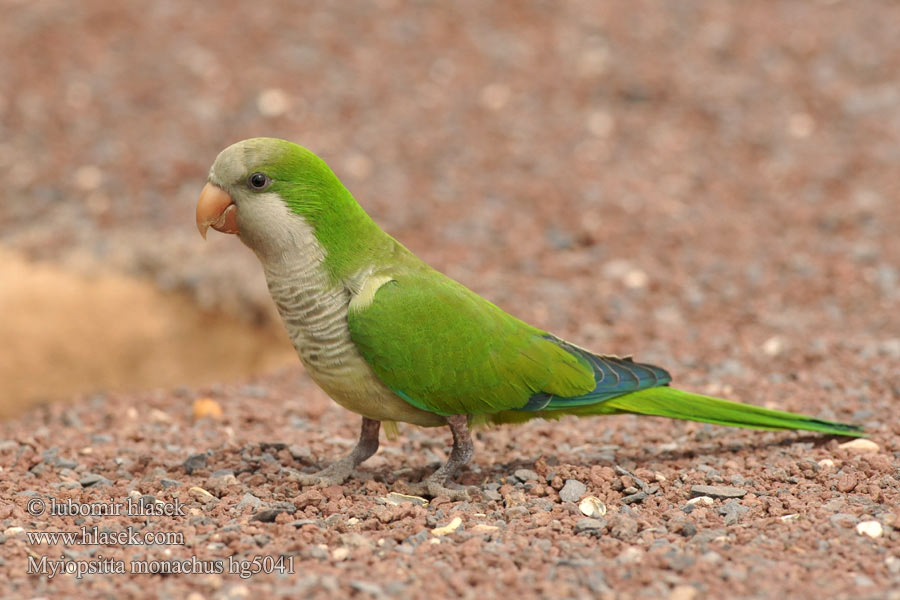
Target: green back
(444, 349)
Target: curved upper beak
(216, 209)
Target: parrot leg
(341, 470)
(463, 449)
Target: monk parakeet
(390, 338)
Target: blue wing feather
(615, 377)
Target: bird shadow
(636, 458)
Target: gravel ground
(708, 187)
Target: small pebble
(396, 499)
(200, 494)
(636, 497)
(207, 408)
(703, 500)
(194, 462)
(843, 519)
(300, 452)
(516, 512)
(846, 482)
(301, 522)
(572, 491)
(273, 102)
(733, 511)
(93, 480)
(526, 475)
(448, 528)
(622, 527)
(340, 554)
(893, 564)
(860, 446)
(629, 555)
(773, 346)
(679, 561)
(366, 587)
(158, 416)
(588, 524)
(718, 491)
(683, 592)
(592, 507)
(873, 529)
(249, 501)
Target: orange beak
(216, 209)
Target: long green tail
(676, 404)
(664, 401)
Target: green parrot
(392, 339)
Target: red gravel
(706, 186)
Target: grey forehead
(229, 165)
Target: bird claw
(434, 488)
(335, 474)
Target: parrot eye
(259, 181)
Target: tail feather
(676, 404)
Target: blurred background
(712, 186)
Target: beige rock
(873, 529)
(591, 506)
(448, 528)
(861, 446)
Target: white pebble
(631, 554)
(893, 564)
(704, 500)
(873, 529)
(773, 346)
(792, 517)
(448, 528)
(861, 446)
(826, 463)
(683, 592)
(592, 507)
(273, 102)
(636, 279)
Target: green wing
(444, 349)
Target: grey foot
(335, 474)
(436, 484)
(434, 488)
(341, 471)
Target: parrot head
(264, 189)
